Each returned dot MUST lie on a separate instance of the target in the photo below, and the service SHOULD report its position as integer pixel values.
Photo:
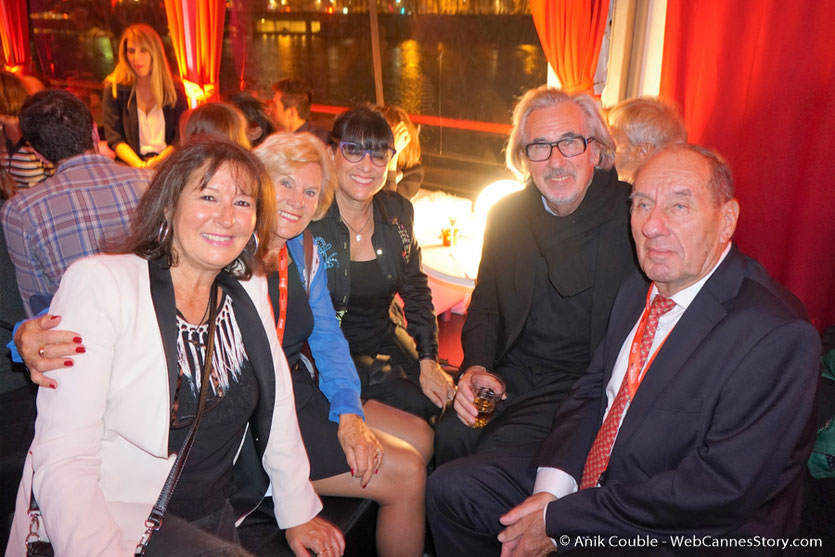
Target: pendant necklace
(358, 233)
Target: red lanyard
(282, 294)
(634, 374)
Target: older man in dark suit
(694, 417)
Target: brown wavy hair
(193, 164)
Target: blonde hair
(12, 94)
(284, 153)
(546, 97)
(217, 119)
(410, 156)
(162, 83)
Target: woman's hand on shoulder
(317, 535)
(363, 450)
(45, 349)
(436, 383)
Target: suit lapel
(703, 314)
(165, 307)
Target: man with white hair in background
(640, 126)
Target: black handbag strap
(154, 520)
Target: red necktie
(598, 458)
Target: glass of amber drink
(485, 402)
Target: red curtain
(571, 32)
(14, 33)
(196, 28)
(755, 81)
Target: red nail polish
(53, 318)
(352, 472)
(67, 363)
(81, 350)
(375, 471)
(52, 387)
(77, 340)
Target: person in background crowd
(292, 101)
(219, 120)
(367, 245)
(553, 257)
(85, 206)
(639, 127)
(405, 174)
(142, 102)
(18, 158)
(259, 124)
(105, 448)
(694, 418)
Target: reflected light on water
(527, 56)
(286, 56)
(411, 76)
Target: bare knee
(404, 474)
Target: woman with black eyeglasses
(367, 244)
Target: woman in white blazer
(105, 439)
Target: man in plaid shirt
(82, 210)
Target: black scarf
(558, 238)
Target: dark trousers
(17, 427)
(211, 536)
(521, 419)
(466, 497)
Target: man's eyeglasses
(568, 146)
(354, 152)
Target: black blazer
(717, 437)
(503, 294)
(121, 119)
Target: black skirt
(318, 433)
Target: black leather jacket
(399, 257)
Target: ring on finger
(324, 550)
(42, 351)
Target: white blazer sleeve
(70, 425)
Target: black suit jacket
(121, 116)
(719, 432)
(504, 292)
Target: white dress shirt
(151, 130)
(556, 481)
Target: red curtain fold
(14, 33)
(196, 28)
(571, 33)
(755, 82)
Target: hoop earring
(251, 247)
(163, 232)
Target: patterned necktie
(598, 458)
